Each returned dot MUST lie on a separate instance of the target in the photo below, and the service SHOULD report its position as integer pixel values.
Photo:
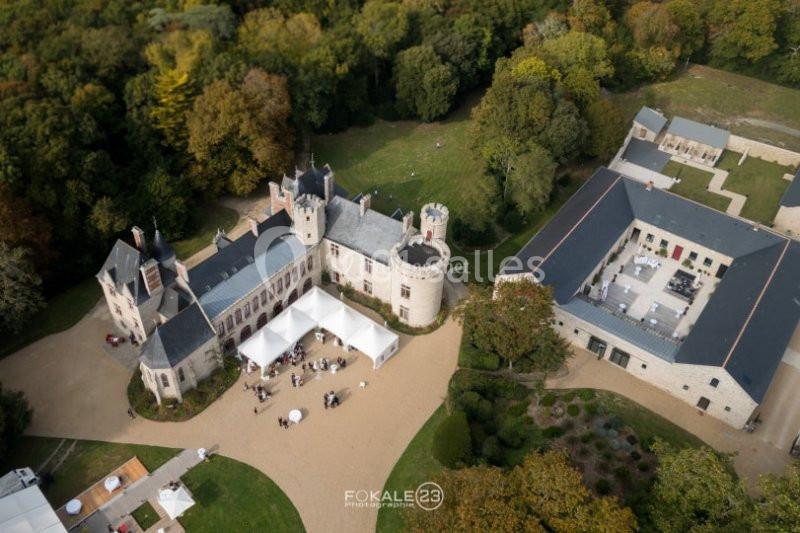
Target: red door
(676, 253)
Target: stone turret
(433, 221)
(309, 219)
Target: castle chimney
(408, 221)
(329, 183)
(151, 275)
(138, 238)
(182, 271)
(253, 225)
(364, 204)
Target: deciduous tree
(425, 86)
(20, 294)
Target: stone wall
(763, 151)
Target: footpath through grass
(401, 161)
(694, 185)
(760, 181)
(746, 106)
(233, 497)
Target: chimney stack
(364, 204)
(253, 225)
(329, 183)
(408, 221)
(138, 238)
(152, 277)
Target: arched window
(164, 381)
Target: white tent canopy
(318, 309)
(175, 502)
(264, 347)
(376, 341)
(345, 323)
(292, 324)
(318, 304)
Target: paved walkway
(754, 454)
(715, 186)
(146, 488)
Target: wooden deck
(96, 496)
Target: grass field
(694, 185)
(415, 466)
(145, 516)
(384, 156)
(761, 181)
(62, 312)
(206, 222)
(747, 106)
(88, 462)
(232, 497)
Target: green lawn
(694, 185)
(145, 516)
(88, 462)
(647, 424)
(206, 221)
(761, 181)
(724, 99)
(415, 466)
(62, 312)
(383, 157)
(232, 496)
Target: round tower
(418, 269)
(309, 219)
(433, 221)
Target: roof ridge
(757, 302)
(583, 217)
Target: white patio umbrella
(175, 502)
(317, 304)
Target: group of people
(331, 400)
(283, 422)
(260, 391)
(297, 381)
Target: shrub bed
(452, 445)
(194, 401)
(385, 310)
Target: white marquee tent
(264, 347)
(345, 323)
(318, 309)
(175, 502)
(27, 511)
(376, 340)
(318, 304)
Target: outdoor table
(73, 507)
(295, 416)
(111, 483)
(653, 321)
(201, 453)
(334, 367)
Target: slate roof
(650, 119)
(697, 131)
(171, 342)
(122, 264)
(645, 154)
(373, 235)
(162, 251)
(233, 257)
(791, 198)
(173, 301)
(746, 325)
(282, 251)
(312, 181)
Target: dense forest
(115, 111)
